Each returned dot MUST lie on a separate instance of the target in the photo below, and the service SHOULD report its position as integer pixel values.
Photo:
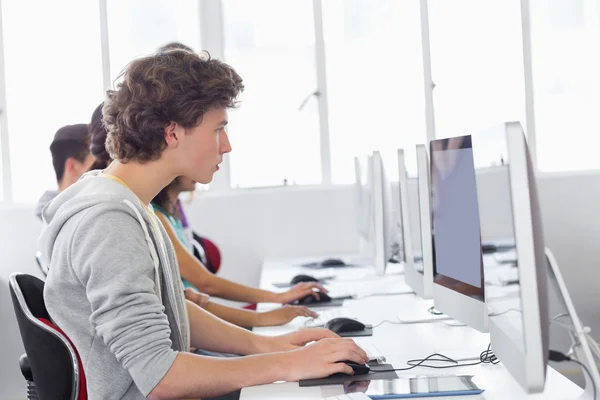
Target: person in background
(71, 158)
(98, 135)
(196, 276)
(117, 293)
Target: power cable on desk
(557, 356)
(486, 357)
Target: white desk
(400, 343)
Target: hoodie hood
(46, 198)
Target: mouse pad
(368, 331)
(332, 303)
(337, 379)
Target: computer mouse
(303, 278)
(332, 262)
(343, 325)
(310, 299)
(358, 368)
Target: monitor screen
(456, 232)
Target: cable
(557, 356)
(486, 357)
(389, 322)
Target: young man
(71, 158)
(114, 286)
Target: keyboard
(326, 316)
(350, 396)
(501, 276)
(358, 290)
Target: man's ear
(172, 134)
(70, 164)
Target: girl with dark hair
(195, 275)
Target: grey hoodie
(114, 287)
(46, 198)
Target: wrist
(280, 367)
(263, 344)
(258, 319)
(276, 298)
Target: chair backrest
(211, 253)
(43, 267)
(54, 362)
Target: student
(98, 135)
(71, 158)
(192, 269)
(195, 275)
(114, 286)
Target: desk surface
(400, 343)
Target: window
(275, 132)
(139, 27)
(477, 65)
(374, 82)
(53, 78)
(566, 83)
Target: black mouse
(343, 325)
(303, 278)
(333, 262)
(358, 368)
(310, 299)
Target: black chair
(50, 365)
(43, 267)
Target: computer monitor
(518, 312)
(363, 196)
(406, 254)
(418, 273)
(384, 218)
(458, 280)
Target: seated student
(98, 134)
(195, 275)
(114, 286)
(71, 158)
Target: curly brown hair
(172, 86)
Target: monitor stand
(582, 351)
(421, 313)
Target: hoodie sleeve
(112, 260)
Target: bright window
(53, 78)
(477, 65)
(374, 82)
(565, 37)
(139, 27)
(275, 132)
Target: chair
(207, 252)
(43, 267)
(51, 364)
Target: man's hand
(295, 340)
(283, 315)
(299, 291)
(323, 359)
(195, 297)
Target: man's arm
(192, 375)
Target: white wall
(19, 229)
(288, 222)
